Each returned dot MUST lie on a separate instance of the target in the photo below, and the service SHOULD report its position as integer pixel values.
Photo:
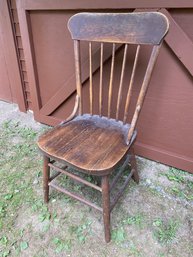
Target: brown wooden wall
(165, 128)
(11, 86)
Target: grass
(165, 232)
(181, 187)
(16, 186)
(61, 245)
(137, 220)
(176, 175)
(81, 231)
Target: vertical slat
(121, 82)
(90, 78)
(143, 90)
(78, 72)
(111, 81)
(131, 85)
(101, 81)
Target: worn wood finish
(78, 72)
(101, 82)
(75, 196)
(106, 207)
(134, 165)
(95, 144)
(128, 99)
(46, 178)
(143, 28)
(111, 81)
(120, 192)
(119, 98)
(77, 178)
(90, 78)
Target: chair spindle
(78, 72)
(90, 78)
(128, 99)
(121, 82)
(101, 81)
(111, 81)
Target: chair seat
(90, 143)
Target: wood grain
(141, 28)
(93, 144)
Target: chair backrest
(145, 28)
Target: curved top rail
(133, 28)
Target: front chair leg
(46, 177)
(106, 207)
(134, 166)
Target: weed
(165, 232)
(81, 231)
(3, 240)
(5, 253)
(133, 250)
(61, 245)
(137, 220)
(175, 175)
(190, 184)
(118, 235)
(177, 192)
(24, 245)
(182, 193)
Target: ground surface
(154, 218)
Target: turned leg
(46, 177)
(134, 166)
(106, 207)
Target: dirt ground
(153, 218)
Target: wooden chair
(94, 143)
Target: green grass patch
(81, 231)
(176, 175)
(118, 235)
(19, 164)
(61, 245)
(165, 232)
(137, 220)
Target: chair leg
(106, 207)
(46, 177)
(134, 166)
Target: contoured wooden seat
(92, 142)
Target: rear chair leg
(106, 207)
(134, 166)
(46, 177)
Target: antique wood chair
(94, 143)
